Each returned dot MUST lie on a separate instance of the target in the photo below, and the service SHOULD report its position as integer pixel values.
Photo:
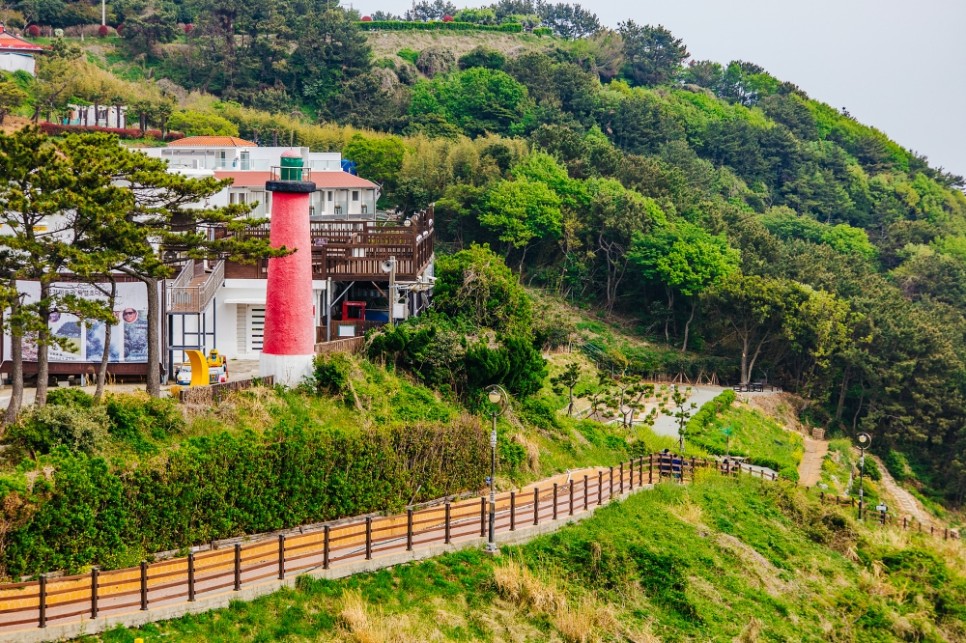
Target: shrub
(410, 55)
(70, 397)
(136, 417)
(75, 427)
(33, 31)
(897, 465)
(188, 28)
(103, 31)
(331, 374)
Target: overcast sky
(898, 66)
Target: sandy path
(810, 468)
(907, 503)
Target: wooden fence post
(600, 488)
(632, 473)
(368, 538)
(513, 511)
(536, 506)
(191, 576)
(610, 493)
(446, 525)
(144, 585)
(622, 479)
(585, 492)
(650, 469)
(325, 546)
(237, 566)
(43, 600)
(571, 497)
(94, 574)
(555, 501)
(281, 557)
(483, 516)
(640, 471)
(409, 529)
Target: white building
(16, 54)
(221, 304)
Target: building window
(355, 195)
(329, 196)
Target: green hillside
(609, 214)
(720, 560)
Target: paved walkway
(667, 425)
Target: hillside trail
(907, 503)
(810, 468)
(784, 408)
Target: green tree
(754, 310)
(142, 34)
(652, 55)
(378, 158)
(330, 51)
(567, 379)
(478, 100)
(520, 211)
(687, 260)
(11, 97)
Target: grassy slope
(753, 435)
(761, 561)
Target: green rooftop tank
(291, 167)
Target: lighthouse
(289, 346)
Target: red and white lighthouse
(289, 345)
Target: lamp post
(864, 440)
(498, 402)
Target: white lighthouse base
(288, 370)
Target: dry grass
(360, 622)
(579, 620)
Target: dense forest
(763, 233)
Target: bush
(75, 427)
(70, 397)
(53, 129)
(405, 25)
(409, 55)
(223, 485)
(103, 31)
(133, 418)
(897, 465)
(33, 31)
(331, 374)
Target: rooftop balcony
(347, 250)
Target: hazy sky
(898, 66)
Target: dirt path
(810, 468)
(906, 503)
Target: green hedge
(405, 25)
(226, 485)
(710, 411)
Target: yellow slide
(199, 368)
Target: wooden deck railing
(355, 251)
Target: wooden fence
(72, 599)
(69, 599)
(884, 518)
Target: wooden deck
(355, 251)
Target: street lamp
(864, 441)
(498, 402)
